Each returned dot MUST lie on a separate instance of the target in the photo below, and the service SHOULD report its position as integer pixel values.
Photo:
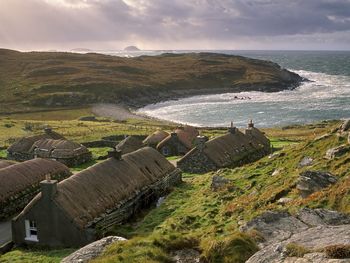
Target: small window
(166, 151)
(31, 230)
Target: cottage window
(166, 151)
(31, 230)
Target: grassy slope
(37, 81)
(194, 216)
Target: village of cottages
(42, 203)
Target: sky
(175, 24)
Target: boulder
(275, 226)
(306, 161)
(314, 239)
(219, 182)
(91, 251)
(314, 229)
(316, 217)
(186, 256)
(345, 126)
(313, 181)
(337, 151)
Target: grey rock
(313, 181)
(306, 161)
(284, 200)
(316, 217)
(186, 256)
(275, 226)
(315, 238)
(337, 151)
(219, 182)
(345, 126)
(91, 251)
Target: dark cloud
(158, 22)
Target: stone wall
(18, 201)
(76, 160)
(19, 157)
(197, 162)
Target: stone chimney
(200, 141)
(232, 128)
(250, 124)
(117, 154)
(48, 187)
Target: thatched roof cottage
(178, 142)
(5, 163)
(64, 151)
(153, 139)
(19, 183)
(230, 150)
(20, 150)
(79, 209)
(129, 144)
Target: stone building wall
(197, 162)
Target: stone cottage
(20, 182)
(230, 150)
(64, 151)
(79, 209)
(155, 138)
(20, 150)
(178, 142)
(129, 144)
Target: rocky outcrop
(337, 151)
(311, 229)
(91, 251)
(345, 126)
(313, 181)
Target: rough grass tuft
(338, 251)
(236, 248)
(296, 250)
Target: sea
(326, 96)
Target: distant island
(66, 80)
(132, 48)
(80, 50)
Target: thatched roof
(5, 163)
(129, 144)
(18, 177)
(49, 148)
(90, 193)
(24, 144)
(256, 135)
(226, 148)
(155, 137)
(186, 136)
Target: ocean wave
(324, 97)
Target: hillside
(35, 81)
(194, 216)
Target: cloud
(173, 24)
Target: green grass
(3, 154)
(193, 216)
(99, 152)
(38, 81)
(35, 256)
